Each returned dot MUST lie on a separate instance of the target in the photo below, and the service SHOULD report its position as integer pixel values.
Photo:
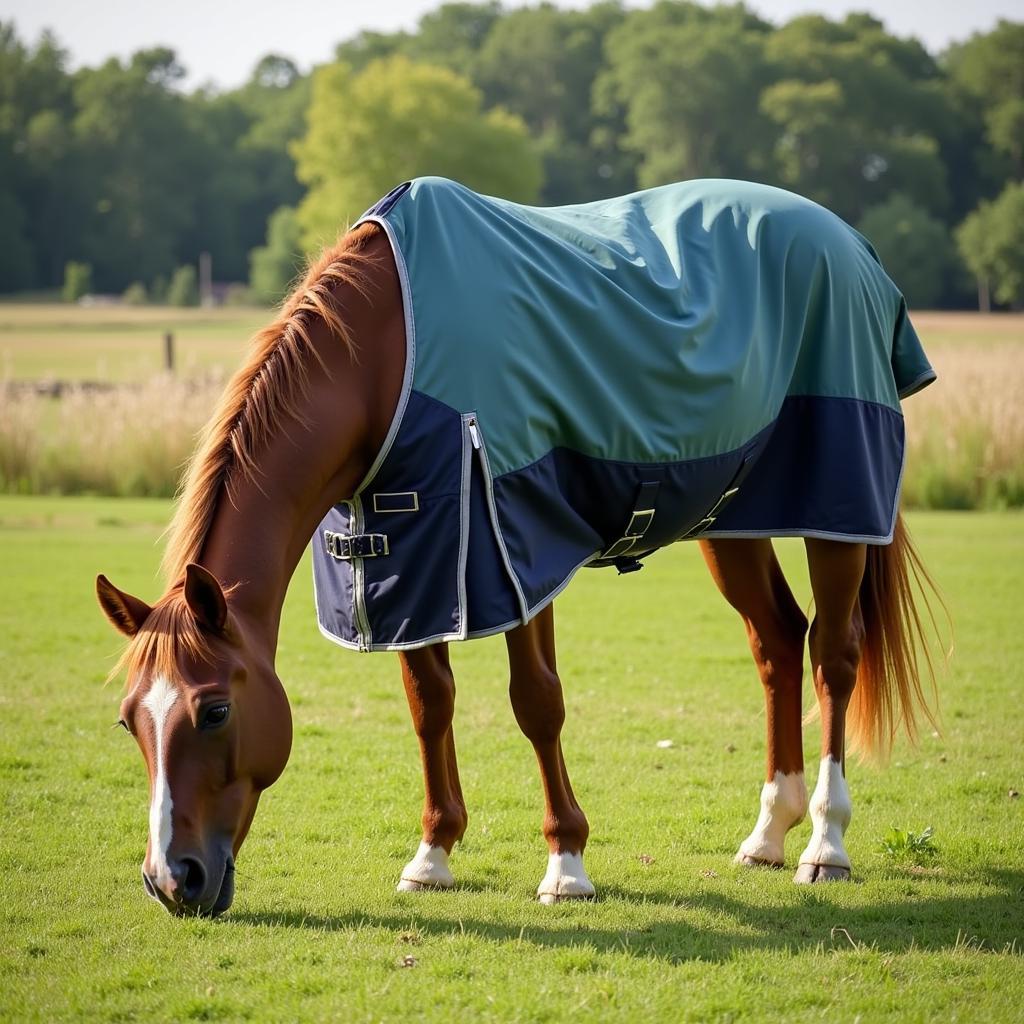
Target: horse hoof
(807, 874)
(411, 885)
(551, 898)
(752, 862)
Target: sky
(219, 41)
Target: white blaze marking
(158, 702)
(830, 814)
(783, 805)
(565, 879)
(427, 870)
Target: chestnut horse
(296, 432)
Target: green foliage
(988, 70)
(991, 242)
(77, 281)
(858, 115)
(908, 847)
(183, 289)
(135, 294)
(402, 120)
(118, 166)
(915, 248)
(275, 265)
(684, 75)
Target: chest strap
(639, 522)
(362, 545)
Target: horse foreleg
(430, 689)
(536, 694)
(837, 636)
(751, 580)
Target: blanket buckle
(362, 545)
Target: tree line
(114, 178)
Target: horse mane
(268, 389)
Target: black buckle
(362, 545)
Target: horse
(417, 408)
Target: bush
(183, 289)
(915, 248)
(135, 294)
(275, 265)
(77, 281)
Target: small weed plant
(907, 847)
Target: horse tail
(896, 652)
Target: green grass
(679, 933)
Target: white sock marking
(830, 814)
(428, 869)
(783, 805)
(159, 701)
(565, 879)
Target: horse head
(210, 716)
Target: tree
(77, 281)
(183, 289)
(368, 131)
(915, 248)
(858, 115)
(991, 241)
(687, 78)
(276, 264)
(988, 71)
(541, 63)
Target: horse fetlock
(831, 810)
(783, 805)
(427, 870)
(566, 879)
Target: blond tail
(897, 649)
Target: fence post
(169, 352)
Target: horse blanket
(586, 384)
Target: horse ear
(126, 613)
(205, 598)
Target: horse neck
(264, 521)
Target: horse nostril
(194, 883)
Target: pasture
(317, 931)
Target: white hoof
(783, 805)
(565, 880)
(427, 870)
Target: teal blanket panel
(669, 324)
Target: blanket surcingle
(586, 384)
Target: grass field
(72, 343)
(679, 933)
(39, 341)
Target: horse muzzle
(194, 886)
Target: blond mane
(267, 390)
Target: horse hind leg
(536, 694)
(430, 689)
(836, 641)
(750, 578)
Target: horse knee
(537, 703)
(837, 653)
(432, 703)
(777, 644)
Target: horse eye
(214, 717)
(124, 725)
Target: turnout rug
(586, 384)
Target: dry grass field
(966, 433)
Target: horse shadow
(917, 920)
